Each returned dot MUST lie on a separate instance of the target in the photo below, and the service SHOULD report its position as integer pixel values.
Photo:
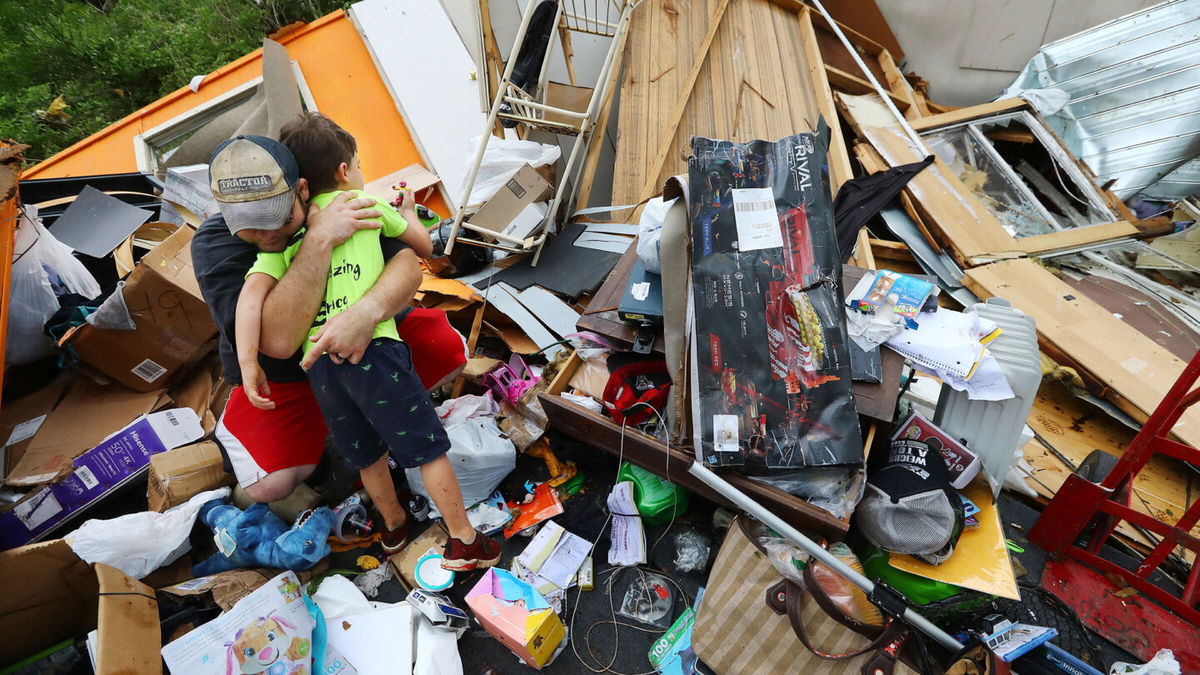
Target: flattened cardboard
(22, 410)
(174, 327)
(404, 563)
(93, 475)
(178, 475)
(417, 178)
(47, 595)
(87, 414)
(95, 223)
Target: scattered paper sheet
(555, 554)
(628, 534)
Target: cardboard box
(514, 613)
(178, 475)
(87, 414)
(404, 563)
(47, 595)
(174, 327)
(94, 474)
(525, 188)
(21, 419)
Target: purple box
(97, 472)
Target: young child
(378, 405)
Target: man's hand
(345, 335)
(341, 218)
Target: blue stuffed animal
(258, 538)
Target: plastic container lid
(430, 574)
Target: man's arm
(291, 306)
(346, 335)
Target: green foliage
(108, 58)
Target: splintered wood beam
(493, 63)
(659, 158)
(840, 170)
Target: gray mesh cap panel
(918, 524)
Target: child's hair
(319, 146)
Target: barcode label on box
(148, 370)
(757, 223)
(170, 415)
(86, 477)
(515, 188)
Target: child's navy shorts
(378, 405)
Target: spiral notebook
(947, 341)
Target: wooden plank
(840, 170)
(852, 84)
(1000, 107)
(1074, 429)
(672, 121)
(472, 341)
(1135, 372)
(442, 125)
(746, 89)
(493, 63)
(650, 454)
(1075, 237)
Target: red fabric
(437, 349)
(293, 434)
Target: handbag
(751, 620)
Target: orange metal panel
(339, 73)
(8, 228)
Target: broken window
(1021, 173)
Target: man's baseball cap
(909, 506)
(252, 179)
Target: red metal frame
(1080, 502)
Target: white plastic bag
(139, 543)
(480, 454)
(42, 267)
(1163, 663)
(502, 159)
(649, 231)
(437, 651)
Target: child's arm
(415, 234)
(247, 330)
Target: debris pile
(697, 338)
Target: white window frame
(143, 143)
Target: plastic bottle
(992, 429)
(657, 499)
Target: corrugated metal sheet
(1134, 82)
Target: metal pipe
(776, 523)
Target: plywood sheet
(1135, 371)
(1074, 429)
(755, 83)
